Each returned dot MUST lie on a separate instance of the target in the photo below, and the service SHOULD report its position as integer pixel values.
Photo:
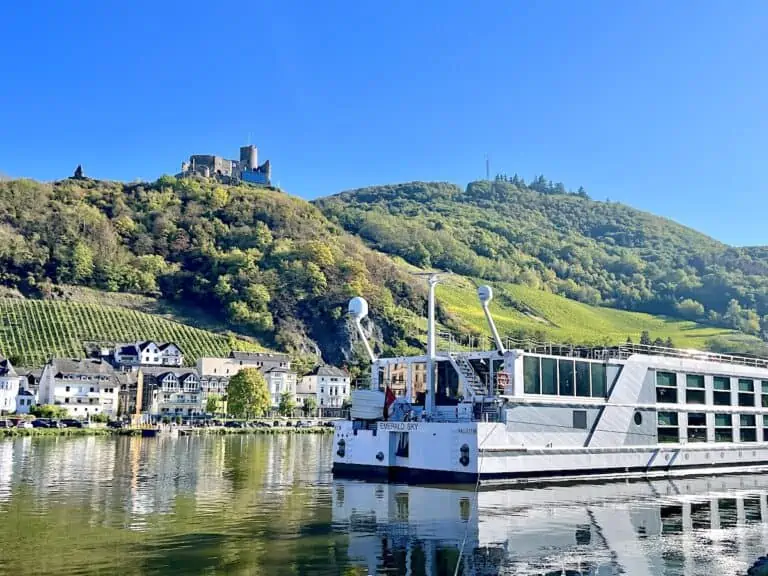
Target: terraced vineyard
(32, 331)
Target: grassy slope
(33, 330)
(564, 320)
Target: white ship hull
(435, 456)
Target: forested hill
(268, 264)
(542, 236)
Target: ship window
(721, 396)
(582, 378)
(765, 428)
(532, 375)
(599, 381)
(723, 428)
(566, 377)
(666, 387)
(694, 393)
(668, 430)
(697, 427)
(580, 419)
(548, 376)
(747, 428)
(764, 388)
(746, 392)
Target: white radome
(358, 307)
(485, 293)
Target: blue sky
(661, 105)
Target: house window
(748, 428)
(666, 388)
(723, 428)
(721, 394)
(667, 427)
(67, 389)
(746, 392)
(697, 427)
(694, 389)
(66, 400)
(92, 389)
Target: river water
(269, 505)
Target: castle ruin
(247, 169)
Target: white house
(82, 387)
(276, 367)
(171, 392)
(148, 353)
(330, 386)
(10, 382)
(25, 401)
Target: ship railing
(450, 342)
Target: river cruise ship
(522, 413)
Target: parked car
(116, 424)
(41, 423)
(5, 423)
(56, 424)
(234, 424)
(26, 424)
(72, 423)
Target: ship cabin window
(723, 428)
(765, 427)
(746, 392)
(666, 387)
(747, 428)
(694, 389)
(721, 395)
(564, 377)
(667, 428)
(697, 427)
(764, 389)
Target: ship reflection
(672, 527)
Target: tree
(213, 404)
(248, 394)
(310, 405)
(82, 262)
(690, 308)
(669, 343)
(645, 338)
(287, 404)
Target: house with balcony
(328, 385)
(82, 387)
(10, 383)
(171, 392)
(147, 353)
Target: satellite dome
(358, 307)
(485, 293)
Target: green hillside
(539, 235)
(31, 331)
(535, 314)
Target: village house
(10, 383)
(328, 385)
(25, 401)
(81, 386)
(276, 368)
(171, 391)
(147, 353)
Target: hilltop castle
(246, 169)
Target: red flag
(389, 398)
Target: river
(269, 505)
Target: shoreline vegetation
(104, 431)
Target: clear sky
(661, 105)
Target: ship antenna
(485, 293)
(358, 309)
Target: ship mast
(431, 355)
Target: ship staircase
(470, 380)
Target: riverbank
(103, 431)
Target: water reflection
(268, 505)
(665, 527)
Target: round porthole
(638, 418)
(464, 458)
(380, 456)
(342, 448)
